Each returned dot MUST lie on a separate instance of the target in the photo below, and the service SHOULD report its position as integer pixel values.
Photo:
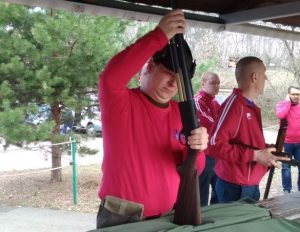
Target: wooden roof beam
(263, 13)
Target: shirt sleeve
(112, 84)
(203, 116)
(282, 109)
(222, 144)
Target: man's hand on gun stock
(267, 157)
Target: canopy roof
(230, 15)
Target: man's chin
(166, 97)
(165, 100)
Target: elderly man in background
(207, 110)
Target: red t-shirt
(285, 110)
(140, 140)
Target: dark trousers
(228, 192)
(206, 179)
(294, 150)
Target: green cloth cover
(213, 217)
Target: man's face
(160, 84)
(211, 85)
(294, 95)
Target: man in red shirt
(141, 126)
(289, 109)
(207, 112)
(236, 139)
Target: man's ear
(253, 77)
(150, 65)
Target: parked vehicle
(90, 121)
(223, 94)
(43, 114)
(220, 98)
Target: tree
(293, 60)
(50, 57)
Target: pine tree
(50, 57)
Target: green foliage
(200, 69)
(6, 94)
(134, 82)
(51, 57)
(13, 129)
(84, 150)
(143, 28)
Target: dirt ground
(36, 190)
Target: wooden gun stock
(187, 207)
(279, 147)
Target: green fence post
(74, 178)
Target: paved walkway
(42, 220)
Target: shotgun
(279, 147)
(187, 207)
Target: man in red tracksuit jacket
(207, 111)
(236, 140)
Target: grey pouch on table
(115, 211)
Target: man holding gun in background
(236, 139)
(289, 109)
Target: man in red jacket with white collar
(207, 111)
(236, 139)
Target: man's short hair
(292, 87)
(207, 74)
(242, 65)
(164, 57)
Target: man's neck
(158, 104)
(247, 94)
(208, 94)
